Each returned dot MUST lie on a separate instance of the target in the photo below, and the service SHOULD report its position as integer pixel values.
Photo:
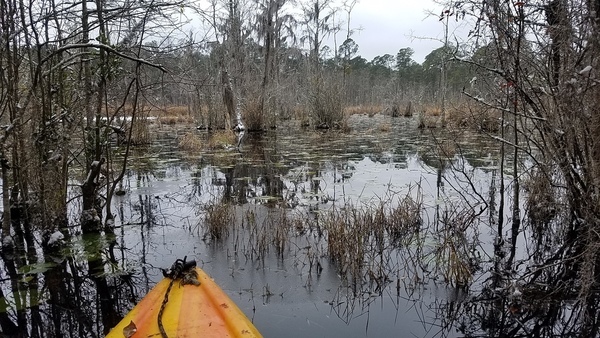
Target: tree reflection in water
(63, 296)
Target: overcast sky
(388, 25)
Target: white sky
(388, 25)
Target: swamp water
(305, 252)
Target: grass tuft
(221, 139)
(363, 109)
(218, 219)
(190, 141)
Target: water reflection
(441, 274)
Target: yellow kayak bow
(190, 310)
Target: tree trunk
(90, 217)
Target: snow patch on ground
(56, 237)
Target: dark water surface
(406, 290)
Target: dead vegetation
(363, 109)
(190, 141)
(218, 220)
(325, 105)
(173, 115)
(385, 127)
(253, 114)
(463, 115)
(141, 132)
(221, 139)
(473, 116)
(369, 246)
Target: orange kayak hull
(191, 311)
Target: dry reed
(221, 139)
(219, 217)
(363, 109)
(385, 127)
(190, 141)
(253, 114)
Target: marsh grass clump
(280, 230)
(427, 121)
(326, 104)
(359, 245)
(474, 117)
(190, 141)
(385, 127)
(258, 239)
(346, 234)
(432, 110)
(140, 133)
(541, 204)
(454, 252)
(174, 115)
(253, 114)
(174, 119)
(221, 139)
(406, 218)
(363, 109)
(264, 229)
(218, 220)
(370, 246)
(176, 111)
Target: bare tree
(318, 25)
(545, 83)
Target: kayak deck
(191, 311)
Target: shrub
(326, 104)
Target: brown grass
(385, 127)
(190, 141)
(175, 119)
(396, 109)
(221, 139)
(474, 117)
(359, 241)
(453, 252)
(346, 231)
(176, 110)
(253, 114)
(141, 132)
(461, 115)
(173, 115)
(363, 109)
(426, 121)
(430, 116)
(541, 203)
(406, 218)
(218, 219)
(432, 110)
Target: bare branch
(103, 47)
